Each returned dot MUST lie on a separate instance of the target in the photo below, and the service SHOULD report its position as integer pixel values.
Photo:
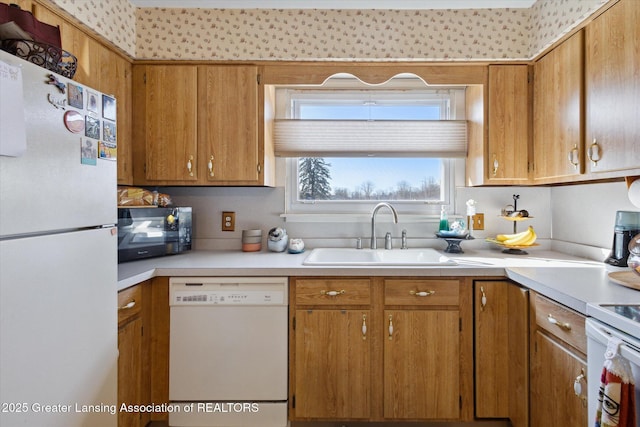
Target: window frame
(446, 97)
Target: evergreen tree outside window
(314, 179)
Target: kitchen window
(348, 149)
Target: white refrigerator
(58, 250)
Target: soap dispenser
(444, 222)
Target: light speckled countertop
(571, 281)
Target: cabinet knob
(483, 299)
(190, 165)
(421, 293)
(594, 152)
(574, 158)
(561, 325)
(364, 326)
(332, 293)
(128, 305)
(577, 387)
(210, 166)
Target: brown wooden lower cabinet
(501, 355)
(558, 361)
(422, 365)
(380, 349)
(143, 347)
(333, 381)
(130, 384)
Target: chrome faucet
(374, 244)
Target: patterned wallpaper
(372, 35)
(551, 19)
(114, 19)
(331, 34)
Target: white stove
(624, 317)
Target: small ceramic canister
(251, 240)
(296, 246)
(277, 240)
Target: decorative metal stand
(509, 216)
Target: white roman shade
(385, 138)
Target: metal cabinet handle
(495, 165)
(561, 325)
(190, 165)
(483, 299)
(594, 152)
(573, 156)
(332, 293)
(421, 293)
(390, 327)
(364, 326)
(128, 305)
(210, 166)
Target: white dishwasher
(228, 351)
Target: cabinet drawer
(421, 292)
(129, 304)
(562, 322)
(333, 291)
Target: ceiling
(337, 4)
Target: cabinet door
(553, 372)
(507, 154)
(228, 120)
(421, 364)
(170, 128)
(130, 387)
(501, 353)
(557, 108)
(332, 364)
(130, 371)
(612, 90)
(116, 80)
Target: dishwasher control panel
(199, 291)
(240, 297)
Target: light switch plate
(478, 221)
(228, 221)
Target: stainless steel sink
(349, 256)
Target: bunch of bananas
(524, 238)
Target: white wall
(585, 214)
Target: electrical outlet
(478, 221)
(228, 221)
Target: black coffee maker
(627, 226)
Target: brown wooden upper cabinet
(198, 125)
(557, 113)
(498, 117)
(165, 123)
(612, 90)
(585, 102)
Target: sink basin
(350, 256)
